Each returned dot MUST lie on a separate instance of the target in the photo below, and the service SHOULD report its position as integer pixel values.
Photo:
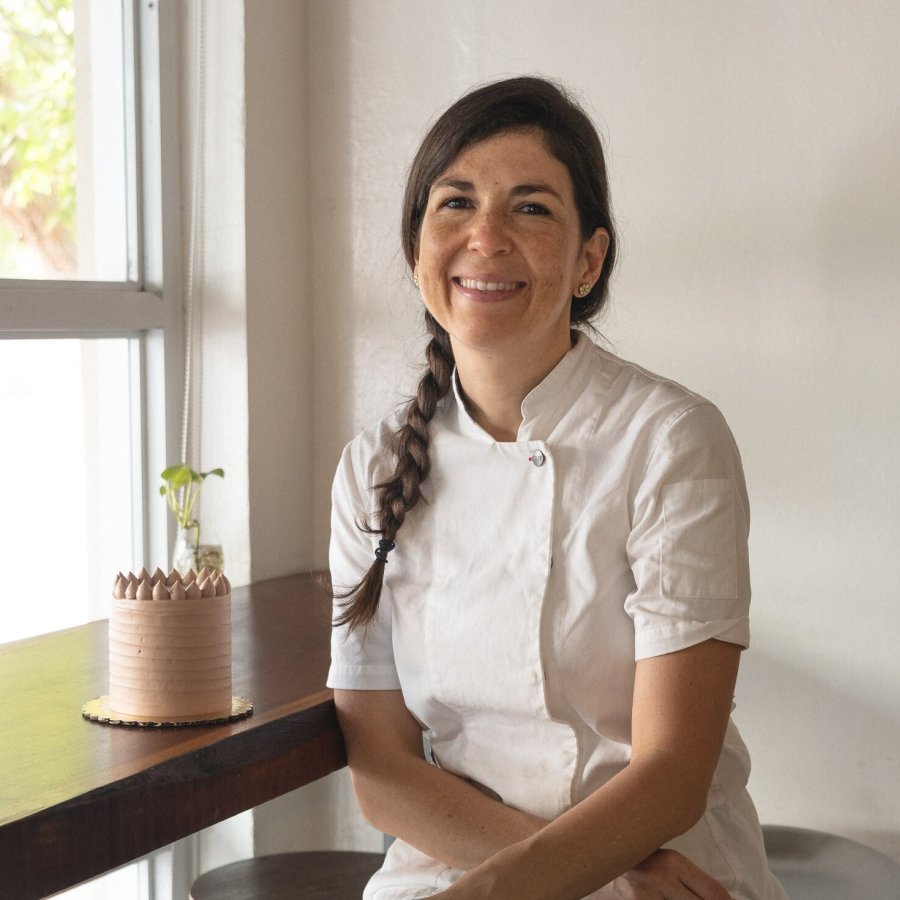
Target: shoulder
(369, 458)
(653, 420)
(366, 459)
(376, 439)
(640, 401)
(631, 385)
(371, 453)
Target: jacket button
(537, 458)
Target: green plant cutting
(182, 490)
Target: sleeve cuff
(679, 635)
(363, 678)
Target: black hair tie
(384, 547)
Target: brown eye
(534, 209)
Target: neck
(494, 385)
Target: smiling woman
(562, 618)
(499, 258)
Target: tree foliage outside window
(37, 138)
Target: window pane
(127, 883)
(63, 164)
(69, 457)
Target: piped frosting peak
(174, 586)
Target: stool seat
(325, 875)
(813, 865)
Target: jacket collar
(543, 407)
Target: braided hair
(403, 490)
(513, 104)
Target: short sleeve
(688, 543)
(362, 659)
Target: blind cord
(193, 309)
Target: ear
(593, 253)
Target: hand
(664, 875)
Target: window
(89, 321)
(66, 141)
(72, 461)
(90, 358)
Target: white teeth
(473, 284)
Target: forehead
(511, 157)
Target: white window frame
(147, 308)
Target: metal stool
(813, 865)
(327, 875)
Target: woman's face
(500, 251)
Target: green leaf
(182, 490)
(180, 478)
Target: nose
(489, 234)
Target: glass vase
(197, 546)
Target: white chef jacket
(534, 575)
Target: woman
(566, 595)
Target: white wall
(279, 326)
(752, 149)
(753, 155)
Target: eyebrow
(520, 190)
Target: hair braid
(403, 490)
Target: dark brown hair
(523, 103)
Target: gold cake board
(98, 710)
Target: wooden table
(78, 798)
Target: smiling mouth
(473, 284)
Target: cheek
(433, 243)
(433, 269)
(430, 270)
(555, 266)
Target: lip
(487, 286)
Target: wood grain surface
(78, 798)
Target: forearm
(680, 713)
(439, 813)
(591, 844)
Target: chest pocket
(492, 532)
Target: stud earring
(583, 289)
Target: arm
(402, 794)
(682, 702)
(444, 816)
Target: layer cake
(170, 647)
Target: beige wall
(752, 148)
